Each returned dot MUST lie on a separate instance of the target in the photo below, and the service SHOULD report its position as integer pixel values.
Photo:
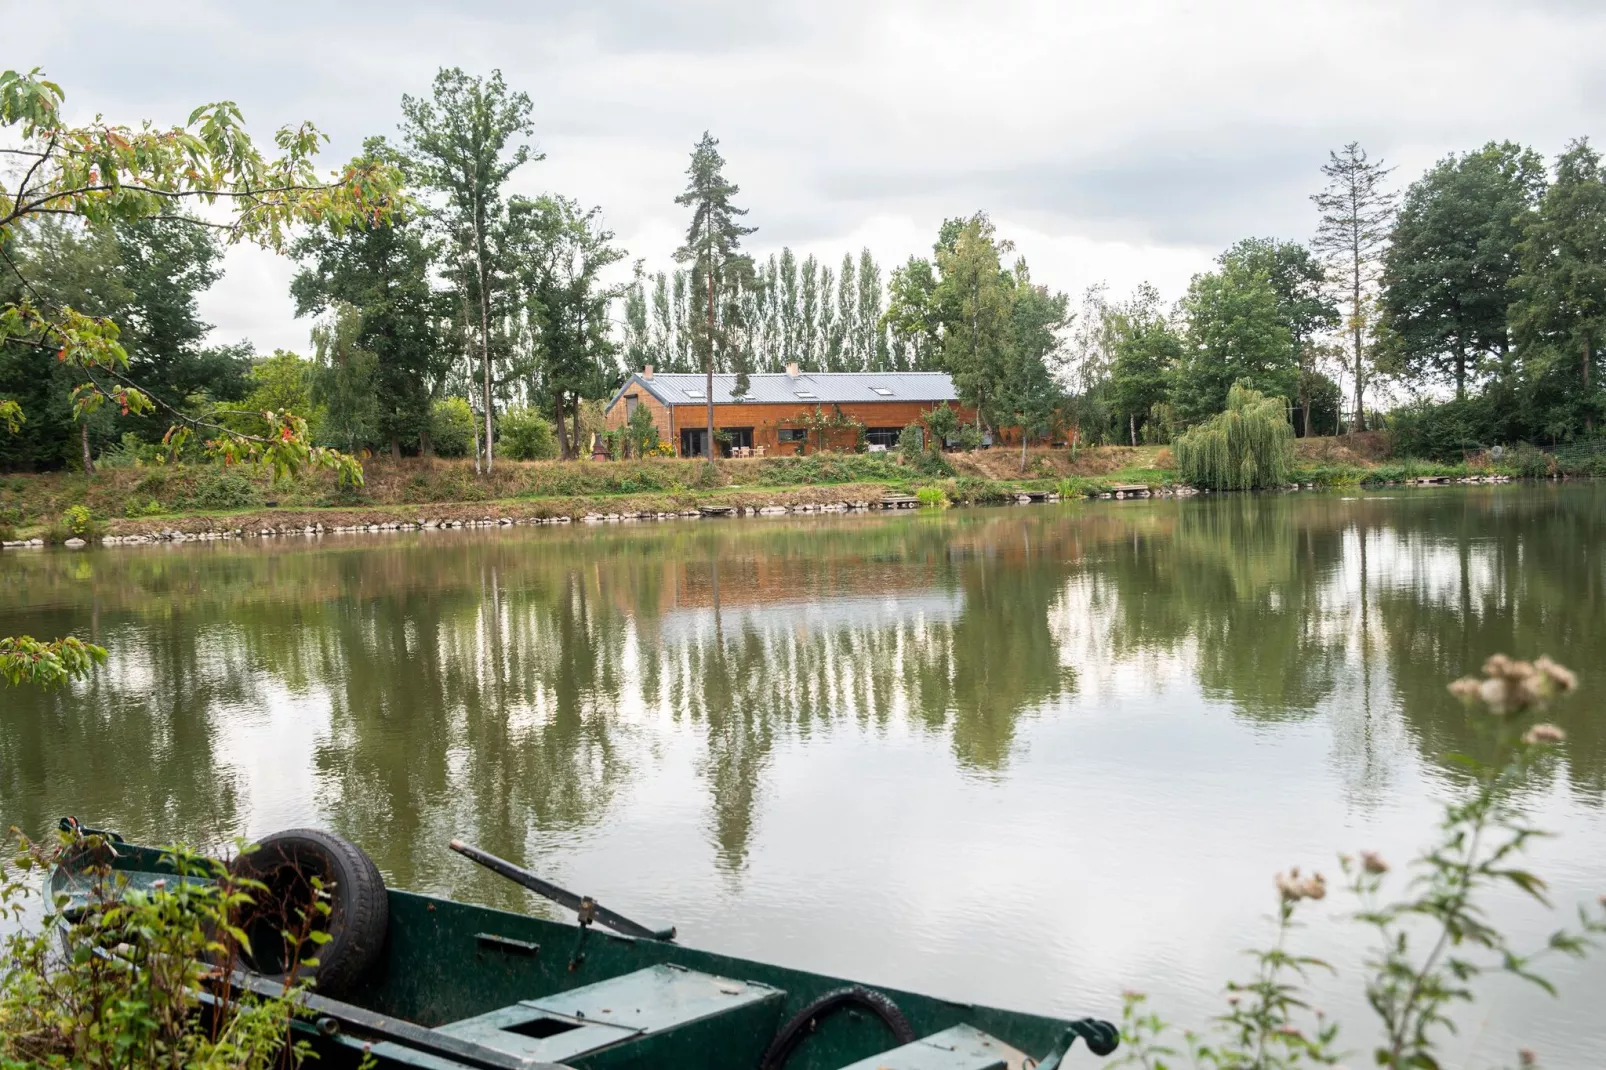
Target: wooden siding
(768, 420)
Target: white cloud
(1125, 140)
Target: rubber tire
(797, 1027)
(359, 913)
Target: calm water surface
(1027, 756)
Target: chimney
(646, 372)
(792, 369)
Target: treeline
(479, 321)
(1476, 301)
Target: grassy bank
(210, 497)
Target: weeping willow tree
(1250, 445)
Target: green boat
(411, 980)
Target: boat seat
(963, 1047)
(662, 1005)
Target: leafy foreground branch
(1432, 942)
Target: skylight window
(883, 391)
(696, 395)
(808, 395)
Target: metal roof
(809, 388)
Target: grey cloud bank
(1118, 141)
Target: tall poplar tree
(713, 248)
(1559, 316)
(845, 350)
(460, 139)
(809, 313)
(786, 296)
(872, 339)
(829, 339)
(1357, 212)
(663, 323)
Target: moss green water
(1031, 756)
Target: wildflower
(1563, 678)
(1543, 733)
(1526, 1057)
(1510, 684)
(1292, 887)
(1373, 863)
(1290, 1030)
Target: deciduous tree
(1452, 257)
(462, 141)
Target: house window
(808, 395)
(731, 438)
(631, 401)
(883, 391)
(882, 436)
(697, 395)
(792, 434)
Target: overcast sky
(1120, 141)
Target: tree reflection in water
(511, 687)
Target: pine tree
(1357, 213)
(713, 247)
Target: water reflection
(684, 698)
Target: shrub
(129, 992)
(77, 521)
(1250, 445)
(912, 444)
(217, 487)
(1529, 461)
(133, 510)
(641, 433)
(451, 427)
(932, 497)
(525, 435)
(943, 423)
(973, 491)
(970, 438)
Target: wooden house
(784, 412)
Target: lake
(1029, 756)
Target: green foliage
(973, 491)
(1559, 313)
(830, 468)
(943, 423)
(137, 964)
(969, 438)
(1251, 445)
(1145, 353)
(641, 432)
(26, 660)
(1237, 331)
(912, 444)
(1452, 256)
(525, 435)
(451, 427)
(219, 487)
(932, 497)
(78, 521)
(344, 380)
